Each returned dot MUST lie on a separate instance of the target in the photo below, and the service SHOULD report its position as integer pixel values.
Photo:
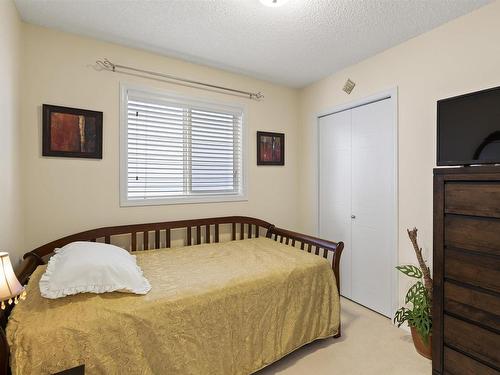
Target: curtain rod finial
(104, 64)
(257, 96)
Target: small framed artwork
(270, 148)
(71, 132)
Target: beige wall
(64, 195)
(458, 57)
(10, 208)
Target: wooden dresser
(466, 298)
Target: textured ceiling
(295, 44)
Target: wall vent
(349, 86)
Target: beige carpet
(370, 344)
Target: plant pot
(421, 347)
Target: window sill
(184, 200)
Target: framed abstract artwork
(270, 148)
(71, 132)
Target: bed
(215, 307)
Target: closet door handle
(353, 216)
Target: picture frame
(71, 132)
(270, 148)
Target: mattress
(223, 308)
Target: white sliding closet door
(356, 198)
(335, 187)
(373, 205)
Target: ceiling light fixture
(273, 3)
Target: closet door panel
(335, 187)
(373, 179)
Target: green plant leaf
(416, 293)
(423, 324)
(410, 271)
(401, 316)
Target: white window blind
(177, 150)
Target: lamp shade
(9, 285)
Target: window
(177, 150)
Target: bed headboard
(196, 231)
(159, 235)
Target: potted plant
(418, 310)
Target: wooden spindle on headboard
(107, 239)
(145, 240)
(233, 236)
(207, 233)
(167, 238)
(198, 235)
(157, 239)
(257, 230)
(133, 241)
(189, 236)
(249, 230)
(217, 233)
(242, 231)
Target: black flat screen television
(468, 129)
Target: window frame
(172, 97)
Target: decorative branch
(425, 270)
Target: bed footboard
(314, 245)
(311, 245)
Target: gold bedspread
(226, 308)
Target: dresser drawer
(469, 338)
(472, 233)
(471, 304)
(469, 198)
(456, 363)
(472, 268)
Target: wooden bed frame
(196, 231)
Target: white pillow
(92, 267)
